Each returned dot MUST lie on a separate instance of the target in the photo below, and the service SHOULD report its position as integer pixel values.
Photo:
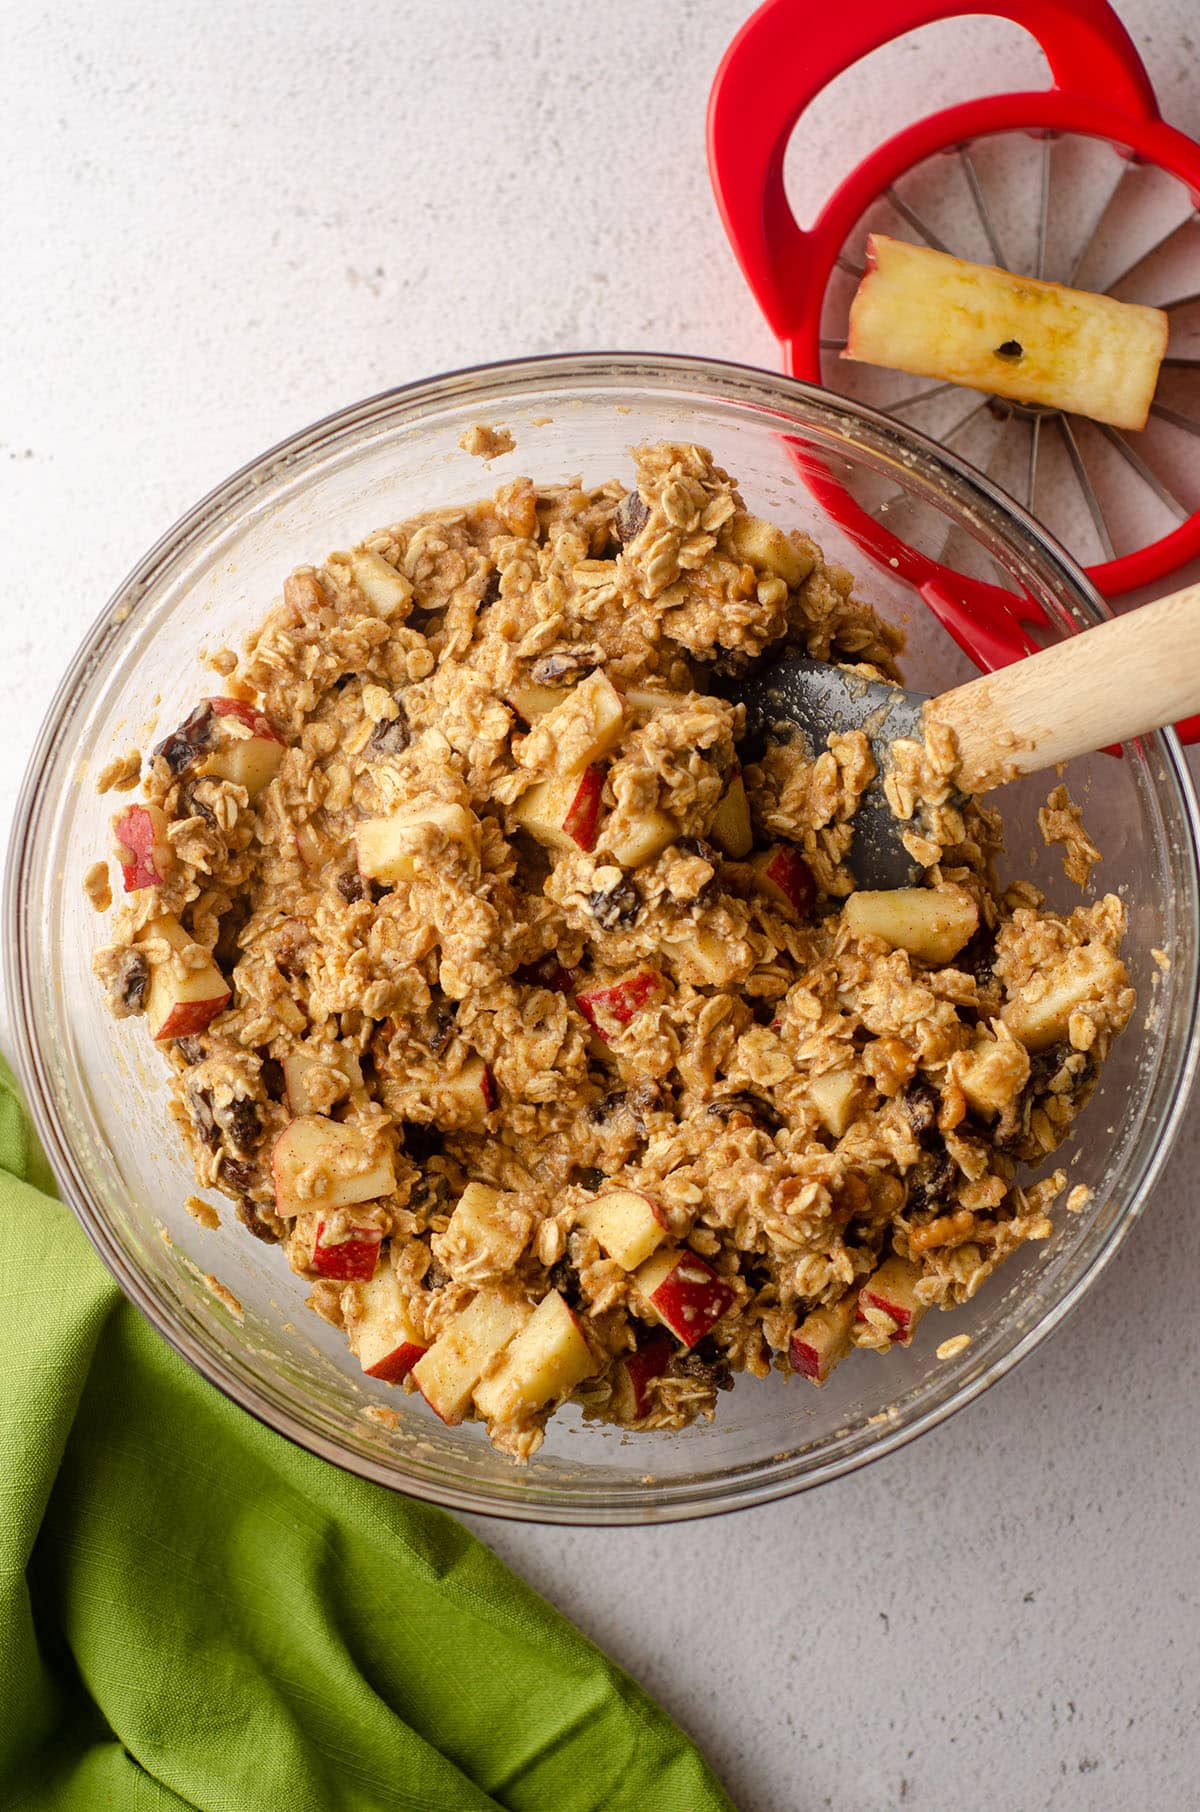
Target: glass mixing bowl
(97, 1088)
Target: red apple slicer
(1082, 182)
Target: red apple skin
(805, 1359)
(250, 715)
(547, 972)
(351, 1260)
(900, 1312)
(395, 1366)
(692, 1306)
(641, 1368)
(135, 830)
(793, 877)
(582, 821)
(487, 1085)
(191, 1016)
(621, 1001)
(191, 738)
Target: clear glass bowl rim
(489, 385)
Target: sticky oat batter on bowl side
(554, 1045)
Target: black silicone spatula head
(819, 700)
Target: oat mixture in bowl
(535, 1015)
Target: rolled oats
(466, 897)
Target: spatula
(1105, 685)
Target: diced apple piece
(701, 956)
(320, 1163)
(936, 316)
(767, 547)
(381, 1329)
(892, 1290)
(250, 761)
(836, 1096)
(608, 1009)
(685, 1293)
(531, 702)
(256, 721)
(823, 1338)
(181, 1002)
(637, 1372)
(582, 821)
(730, 829)
(464, 1349)
(542, 1364)
(548, 806)
(648, 700)
(785, 879)
(482, 1235)
(385, 590)
(626, 1223)
(399, 848)
(471, 1093)
(641, 839)
(142, 847)
(993, 1073)
(352, 1259)
(931, 923)
(586, 724)
(1040, 1014)
(300, 1079)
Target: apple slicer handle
(787, 52)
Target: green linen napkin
(195, 1613)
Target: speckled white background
(222, 221)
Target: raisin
(240, 1123)
(590, 1178)
(631, 517)
(491, 591)
(436, 1277)
(643, 1100)
(391, 737)
(192, 1050)
(920, 1105)
(247, 1212)
(444, 1017)
(616, 908)
(604, 1109)
(292, 942)
(351, 886)
(200, 1106)
(189, 805)
(133, 981)
(564, 664)
(547, 972)
(760, 1112)
(185, 744)
(713, 1372)
(932, 1188)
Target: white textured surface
(222, 222)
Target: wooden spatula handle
(1137, 673)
